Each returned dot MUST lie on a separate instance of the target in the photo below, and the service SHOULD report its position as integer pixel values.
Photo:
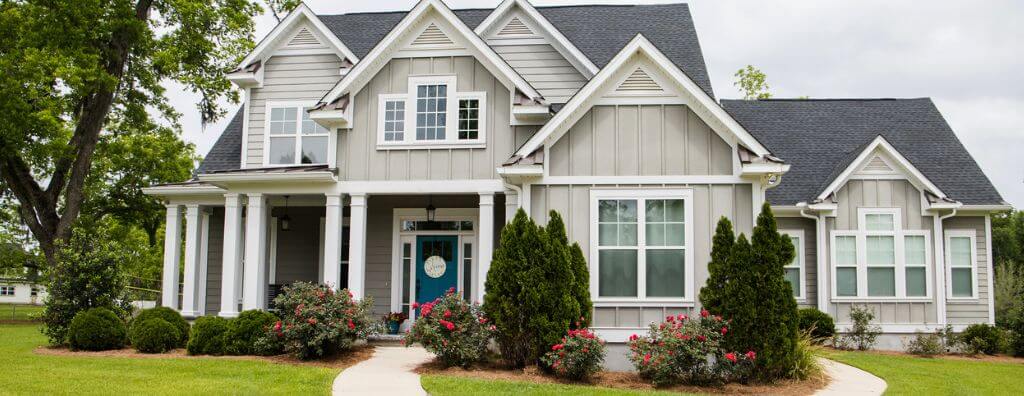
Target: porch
(381, 246)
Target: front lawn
(938, 376)
(26, 372)
(441, 385)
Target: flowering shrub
(454, 330)
(316, 321)
(685, 350)
(578, 356)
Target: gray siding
(710, 203)
(810, 258)
(214, 260)
(543, 67)
(286, 78)
(298, 249)
(974, 311)
(359, 158)
(646, 140)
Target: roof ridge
(824, 99)
(537, 7)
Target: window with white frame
(880, 259)
(794, 271)
(293, 138)
(641, 241)
(961, 264)
(6, 291)
(423, 117)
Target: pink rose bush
(452, 329)
(684, 350)
(317, 321)
(577, 357)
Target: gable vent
(432, 36)
(877, 165)
(304, 37)
(639, 81)
(515, 27)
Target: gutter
(819, 227)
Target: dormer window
(292, 137)
(432, 114)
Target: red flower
(557, 347)
(451, 290)
(633, 337)
(751, 355)
(701, 338)
(349, 294)
(724, 330)
(686, 337)
(277, 326)
(351, 325)
(483, 320)
(683, 317)
(447, 313)
(311, 321)
(647, 358)
(704, 313)
(670, 319)
(415, 305)
(449, 325)
(731, 356)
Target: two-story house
(369, 144)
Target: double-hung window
(431, 114)
(641, 240)
(880, 259)
(6, 291)
(293, 138)
(961, 264)
(794, 271)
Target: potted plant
(394, 321)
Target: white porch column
(232, 265)
(511, 205)
(255, 277)
(192, 288)
(485, 242)
(357, 247)
(332, 241)
(172, 255)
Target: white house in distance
(370, 144)
(16, 290)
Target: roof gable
(881, 159)
(290, 28)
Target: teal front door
(437, 267)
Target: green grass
(19, 312)
(441, 385)
(937, 376)
(25, 372)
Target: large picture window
(293, 138)
(641, 241)
(961, 264)
(432, 113)
(880, 259)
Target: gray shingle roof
(226, 154)
(820, 138)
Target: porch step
(386, 339)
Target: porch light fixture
(285, 220)
(431, 210)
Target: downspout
(940, 270)
(820, 278)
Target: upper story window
(292, 137)
(880, 259)
(794, 271)
(961, 264)
(432, 113)
(641, 240)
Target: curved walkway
(849, 380)
(388, 372)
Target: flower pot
(393, 327)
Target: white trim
(354, 80)
(581, 101)
(903, 328)
(182, 190)
(290, 21)
(421, 186)
(972, 235)
(245, 128)
(641, 195)
(991, 272)
(561, 43)
(688, 179)
(204, 261)
(916, 178)
(801, 265)
(452, 98)
(278, 177)
(272, 276)
(301, 107)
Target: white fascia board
(330, 118)
(521, 170)
(179, 190)
(916, 176)
(302, 12)
(986, 208)
(244, 79)
(585, 66)
(553, 130)
(372, 63)
(764, 168)
(277, 177)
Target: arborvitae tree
(719, 272)
(554, 291)
(578, 263)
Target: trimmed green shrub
(170, 316)
(454, 330)
(982, 338)
(862, 334)
(207, 336)
(925, 344)
(577, 357)
(719, 272)
(96, 329)
(316, 321)
(819, 324)
(243, 332)
(154, 335)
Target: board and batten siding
(214, 259)
(360, 159)
(543, 67)
(287, 78)
(633, 140)
(810, 258)
(971, 311)
(710, 202)
(298, 249)
(901, 194)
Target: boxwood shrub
(154, 335)
(822, 324)
(96, 329)
(242, 332)
(170, 316)
(207, 336)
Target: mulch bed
(357, 354)
(619, 380)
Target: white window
(795, 270)
(293, 138)
(880, 260)
(641, 240)
(432, 114)
(6, 291)
(961, 264)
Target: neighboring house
(383, 152)
(20, 291)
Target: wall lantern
(285, 220)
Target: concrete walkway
(849, 380)
(387, 372)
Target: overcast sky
(966, 56)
